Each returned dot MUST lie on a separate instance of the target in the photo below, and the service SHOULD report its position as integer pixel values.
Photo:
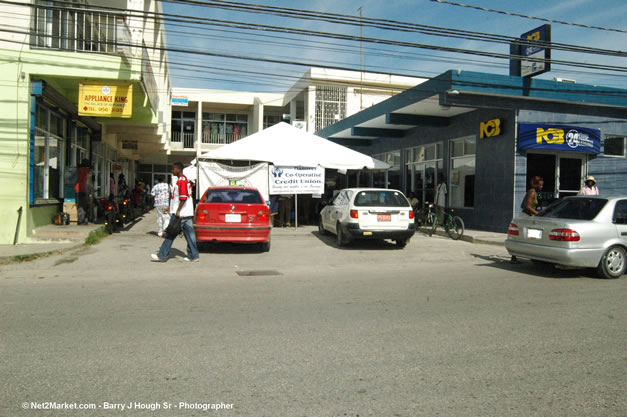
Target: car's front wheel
(342, 239)
(613, 263)
(321, 228)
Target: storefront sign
(534, 47)
(490, 129)
(180, 100)
(295, 180)
(105, 100)
(559, 138)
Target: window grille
(330, 105)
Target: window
(47, 154)
(574, 208)
(462, 168)
(223, 128)
(233, 195)
(330, 105)
(270, 120)
(380, 199)
(620, 212)
(614, 146)
(393, 174)
(424, 167)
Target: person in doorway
(590, 187)
(82, 192)
(161, 195)
(413, 200)
(111, 184)
(530, 202)
(286, 203)
(182, 206)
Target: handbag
(174, 227)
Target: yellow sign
(105, 100)
(550, 135)
(490, 128)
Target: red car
(233, 214)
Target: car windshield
(574, 208)
(233, 195)
(380, 198)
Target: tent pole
(296, 211)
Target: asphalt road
(438, 328)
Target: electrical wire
(543, 19)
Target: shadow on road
(360, 244)
(228, 248)
(539, 269)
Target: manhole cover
(257, 273)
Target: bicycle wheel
(455, 227)
(433, 223)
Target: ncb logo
(490, 128)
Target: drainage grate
(258, 273)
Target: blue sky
(231, 74)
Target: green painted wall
(63, 71)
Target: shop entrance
(562, 174)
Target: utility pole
(361, 59)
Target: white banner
(296, 180)
(213, 174)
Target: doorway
(562, 174)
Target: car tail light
(512, 229)
(566, 235)
(109, 207)
(411, 214)
(203, 215)
(262, 215)
(125, 202)
(354, 214)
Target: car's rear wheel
(265, 246)
(401, 243)
(613, 263)
(321, 228)
(342, 239)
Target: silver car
(582, 231)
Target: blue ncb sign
(559, 138)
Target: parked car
(233, 214)
(576, 231)
(368, 213)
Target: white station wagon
(576, 231)
(368, 213)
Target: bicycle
(454, 225)
(423, 215)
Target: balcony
(75, 29)
(187, 141)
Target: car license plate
(384, 217)
(233, 218)
(534, 233)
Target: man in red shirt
(182, 204)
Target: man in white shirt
(182, 204)
(161, 194)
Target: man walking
(181, 205)
(161, 195)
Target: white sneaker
(155, 258)
(160, 234)
(186, 259)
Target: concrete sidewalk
(58, 239)
(49, 239)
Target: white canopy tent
(284, 145)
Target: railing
(220, 139)
(186, 138)
(77, 29)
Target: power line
(544, 19)
(339, 36)
(386, 24)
